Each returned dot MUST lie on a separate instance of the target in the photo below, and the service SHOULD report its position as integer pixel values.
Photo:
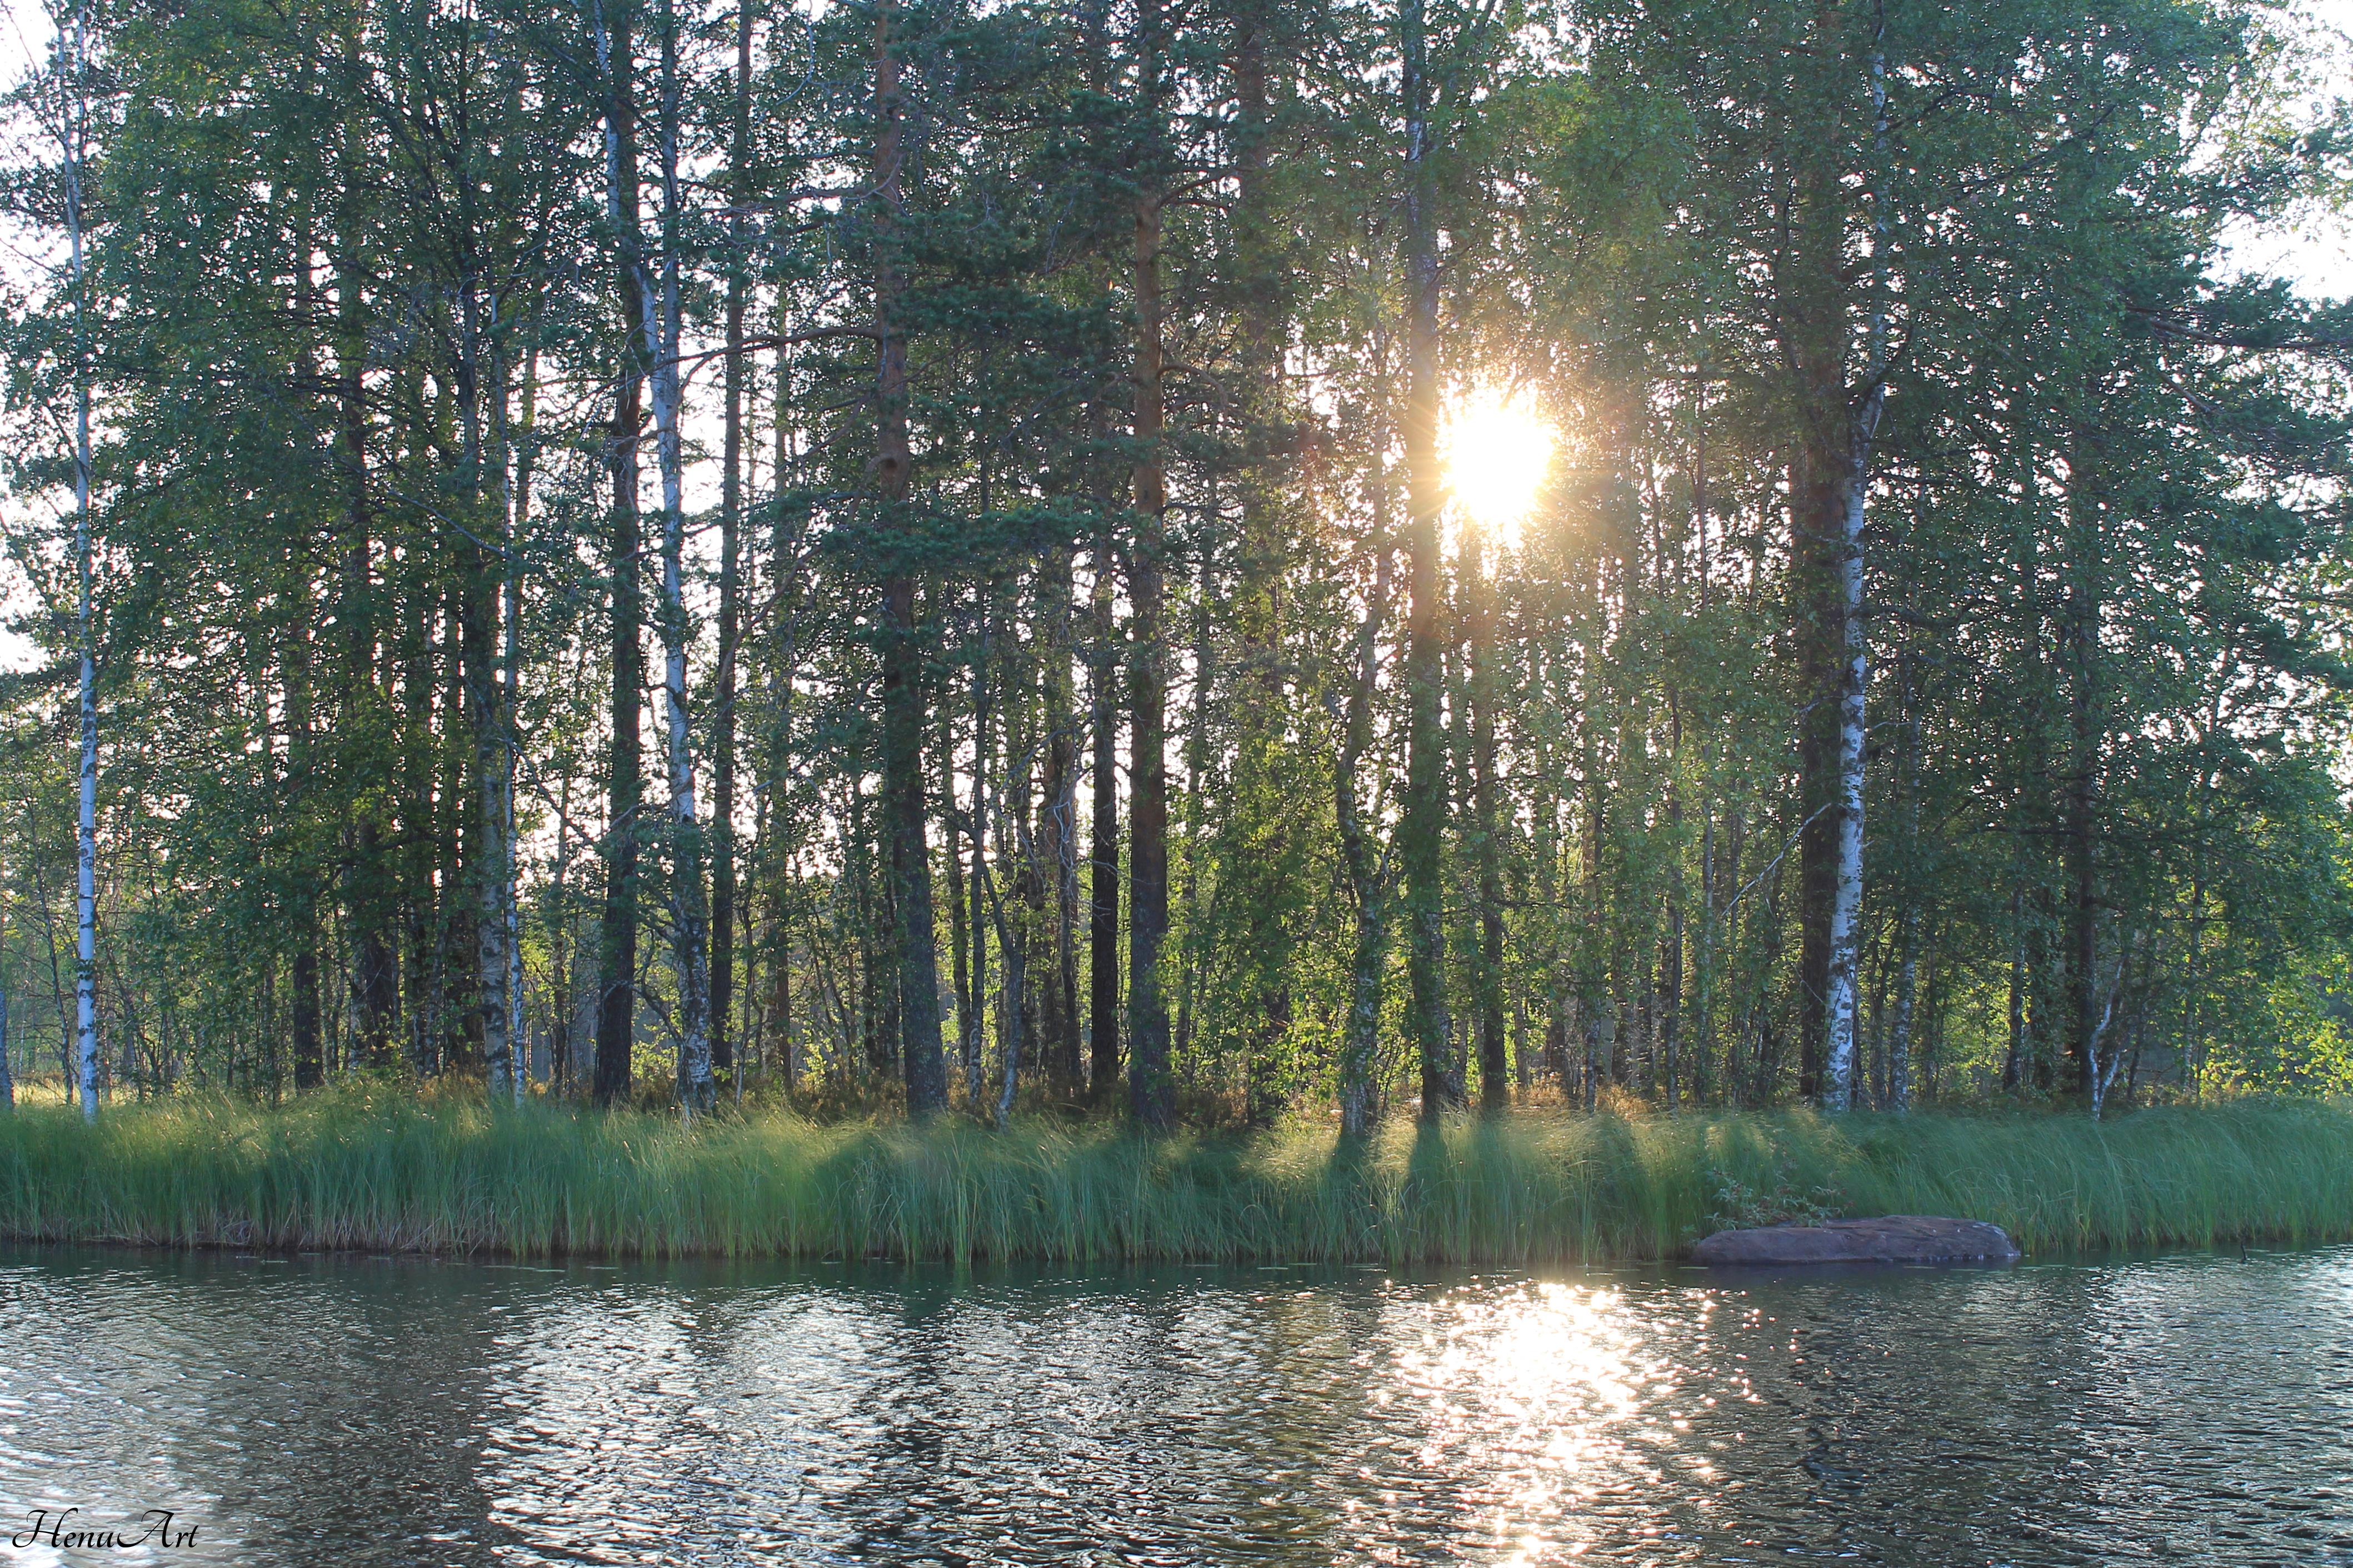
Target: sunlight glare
(1498, 450)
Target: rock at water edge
(1893, 1238)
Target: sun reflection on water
(1556, 1399)
(495, 1417)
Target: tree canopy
(1020, 462)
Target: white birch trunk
(85, 830)
(517, 466)
(86, 820)
(509, 887)
(2106, 1062)
(690, 961)
(1846, 898)
(493, 934)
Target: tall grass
(379, 1169)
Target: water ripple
(381, 1411)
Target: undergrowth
(379, 1168)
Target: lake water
(357, 1410)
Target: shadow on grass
(372, 1167)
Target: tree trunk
(518, 520)
(787, 589)
(1018, 845)
(2014, 1061)
(1899, 1039)
(903, 683)
(1422, 827)
(1368, 877)
(1261, 825)
(1671, 985)
(1846, 900)
(616, 947)
(310, 1052)
(86, 818)
(731, 527)
(1151, 1089)
(1815, 519)
(480, 617)
(1840, 425)
(1102, 852)
(1260, 1089)
(1907, 923)
(1495, 1070)
(302, 765)
(1057, 842)
(561, 1009)
(689, 911)
(959, 924)
(374, 982)
(7, 1074)
(2083, 622)
(984, 710)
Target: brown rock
(1897, 1238)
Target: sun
(1497, 450)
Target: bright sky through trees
(1498, 453)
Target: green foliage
(364, 313)
(1735, 1205)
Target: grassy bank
(380, 1170)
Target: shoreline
(372, 1171)
(2246, 1249)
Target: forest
(1215, 560)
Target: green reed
(378, 1168)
